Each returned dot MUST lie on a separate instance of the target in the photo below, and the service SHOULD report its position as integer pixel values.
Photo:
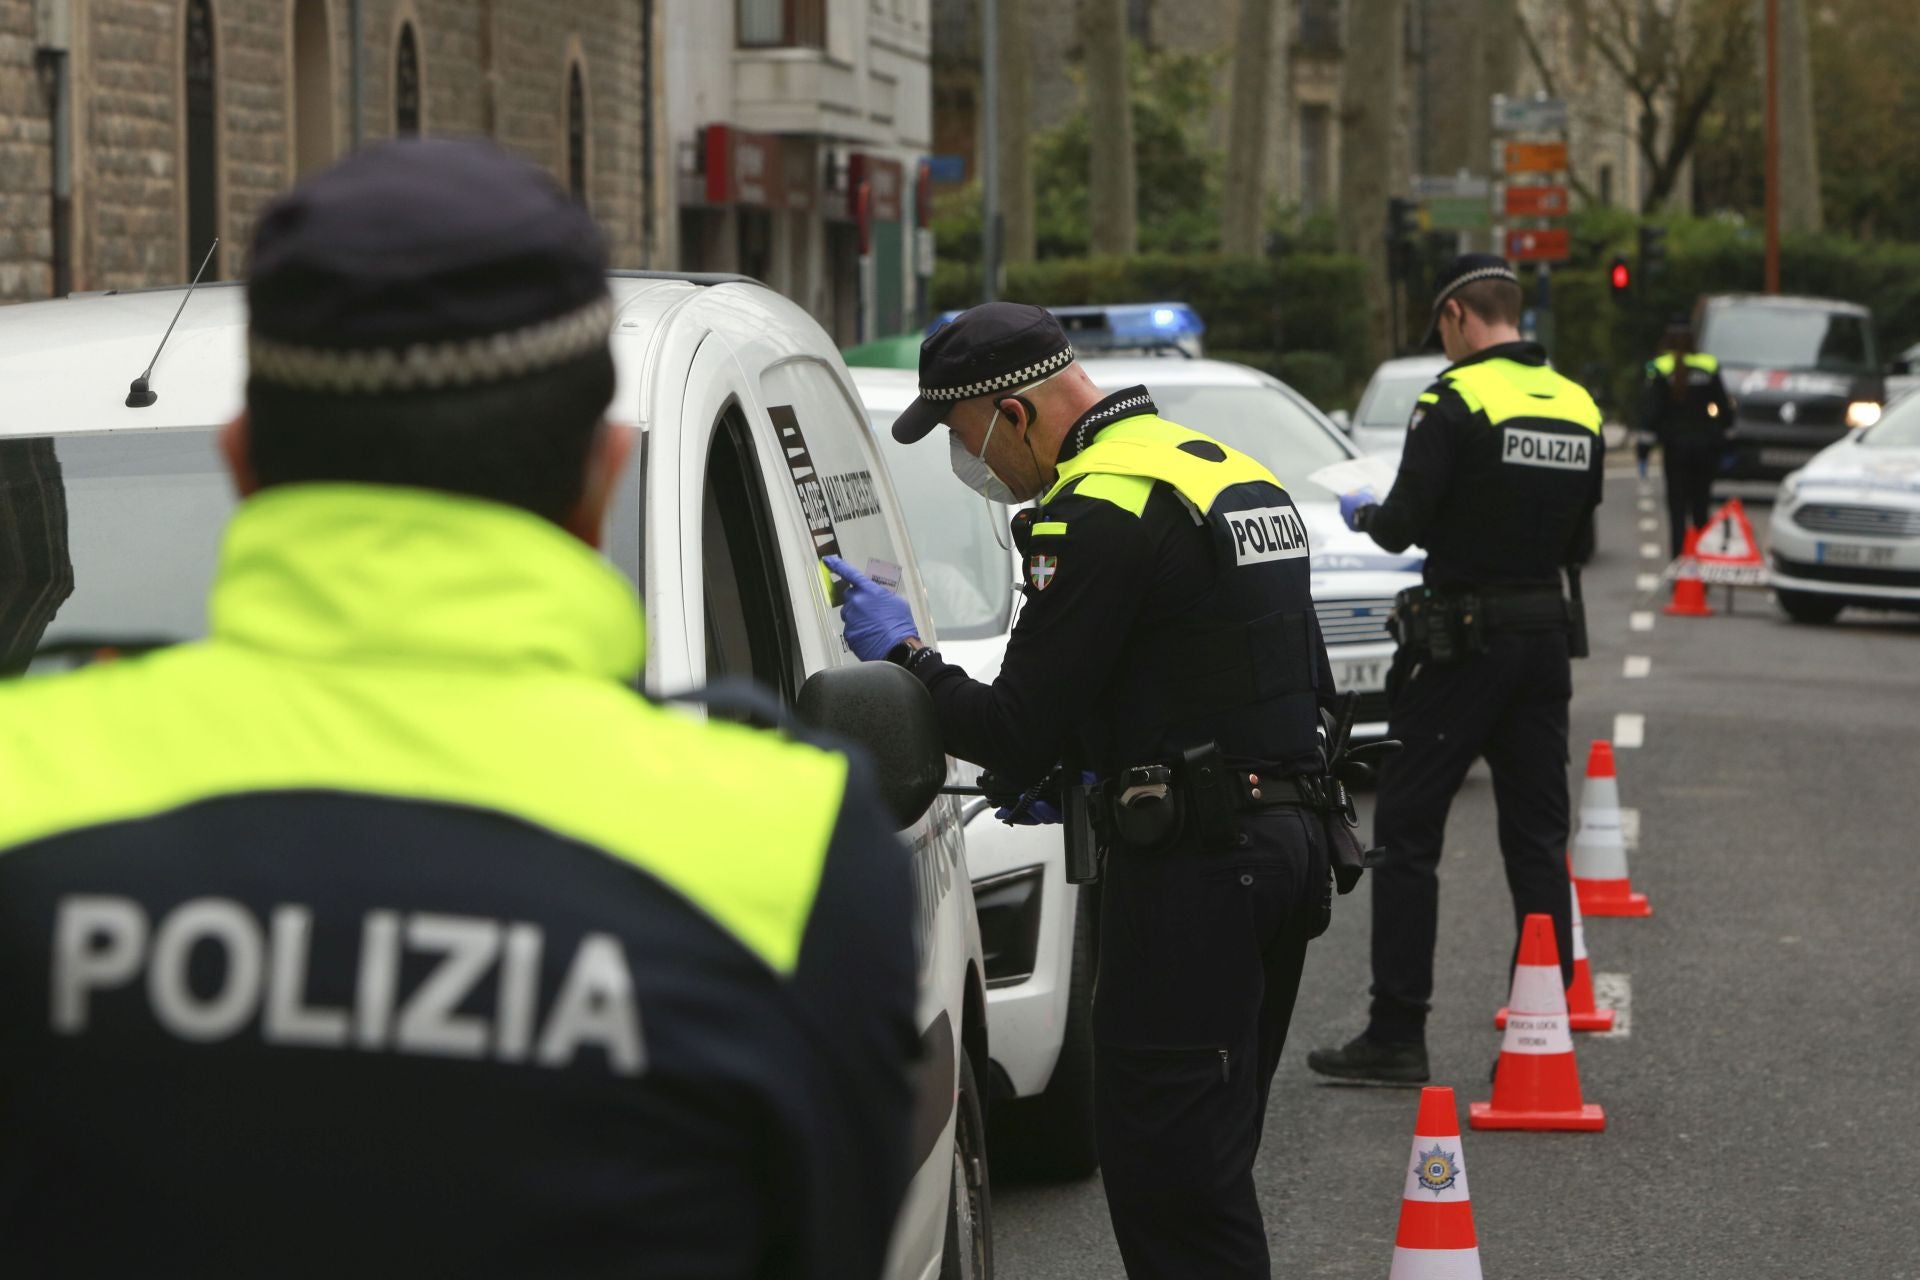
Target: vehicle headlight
(1863, 413)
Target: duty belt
(1523, 610)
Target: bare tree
(1016, 134)
(1369, 97)
(1799, 150)
(1673, 58)
(1243, 191)
(1112, 186)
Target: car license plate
(1852, 553)
(1785, 457)
(1369, 676)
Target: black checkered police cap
(424, 265)
(1468, 268)
(996, 346)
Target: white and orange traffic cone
(1582, 1013)
(1689, 588)
(1536, 1084)
(1436, 1240)
(1600, 844)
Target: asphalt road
(1763, 1108)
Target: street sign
(1536, 202)
(1529, 115)
(1551, 244)
(947, 168)
(1430, 186)
(1534, 157)
(1459, 213)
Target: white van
(753, 460)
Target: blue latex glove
(1038, 812)
(1350, 504)
(874, 618)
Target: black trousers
(1200, 958)
(1689, 472)
(1509, 705)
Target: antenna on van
(139, 394)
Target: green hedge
(1263, 312)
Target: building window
(576, 133)
(406, 83)
(1316, 160)
(313, 138)
(782, 24)
(1320, 25)
(202, 139)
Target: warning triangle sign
(1727, 551)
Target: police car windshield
(1265, 424)
(107, 543)
(1899, 429)
(1775, 337)
(968, 574)
(1390, 397)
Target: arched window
(576, 133)
(406, 83)
(202, 139)
(313, 134)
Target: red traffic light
(1621, 276)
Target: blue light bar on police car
(1130, 326)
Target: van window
(837, 473)
(1774, 337)
(749, 621)
(108, 543)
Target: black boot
(1364, 1060)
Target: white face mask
(974, 472)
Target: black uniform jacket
(1108, 577)
(389, 932)
(1500, 492)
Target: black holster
(1440, 627)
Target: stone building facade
(186, 116)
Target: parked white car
(753, 458)
(1380, 420)
(1846, 527)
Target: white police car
(1846, 527)
(752, 458)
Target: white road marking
(1614, 991)
(1649, 525)
(1630, 827)
(1646, 505)
(1640, 620)
(1629, 729)
(1646, 582)
(1637, 667)
(1649, 551)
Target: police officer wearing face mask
(1168, 645)
(1498, 481)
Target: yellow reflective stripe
(1129, 493)
(734, 820)
(1052, 527)
(1148, 447)
(1428, 397)
(1663, 363)
(1704, 362)
(1506, 389)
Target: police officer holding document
(1498, 480)
(1168, 648)
(389, 931)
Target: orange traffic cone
(1436, 1239)
(1582, 1013)
(1536, 1084)
(1689, 590)
(1600, 845)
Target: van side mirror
(882, 708)
(1343, 420)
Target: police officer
(1167, 644)
(1685, 409)
(1498, 481)
(388, 931)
